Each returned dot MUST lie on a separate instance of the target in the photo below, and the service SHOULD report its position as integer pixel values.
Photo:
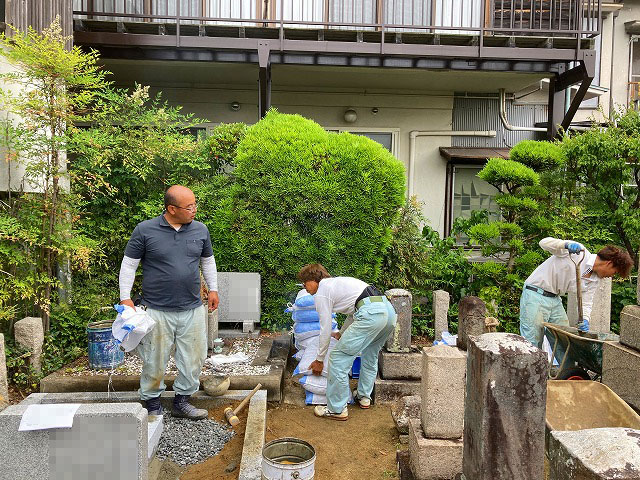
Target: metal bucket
(288, 459)
(103, 349)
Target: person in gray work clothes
(171, 248)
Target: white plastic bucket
(288, 459)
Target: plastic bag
(130, 326)
(310, 355)
(310, 327)
(315, 399)
(314, 384)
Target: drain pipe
(505, 122)
(437, 133)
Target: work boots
(154, 407)
(183, 409)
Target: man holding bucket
(374, 319)
(171, 248)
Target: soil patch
(362, 448)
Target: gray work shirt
(170, 262)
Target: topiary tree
(302, 195)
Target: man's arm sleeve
(556, 246)
(135, 245)
(324, 308)
(127, 276)
(209, 272)
(587, 303)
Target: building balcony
(373, 31)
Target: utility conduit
(505, 122)
(437, 133)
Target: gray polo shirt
(170, 262)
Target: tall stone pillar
(400, 339)
(29, 334)
(4, 384)
(440, 312)
(471, 318)
(504, 416)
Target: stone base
(388, 391)
(154, 429)
(630, 326)
(620, 367)
(595, 454)
(400, 366)
(433, 458)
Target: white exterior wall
(398, 114)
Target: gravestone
(29, 333)
(620, 367)
(4, 384)
(471, 318)
(600, 321)
(504, 416)
(239, 294)
(440, 312)
(399, 340)
(212, 328)
(630, 326)
(442, 391)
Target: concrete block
(629, 326)
(155, 426)
(600, 321)
(433, 458)
(620, 367)
(400, 366)
(29, 333)
(404, 409)
(4, 381)
(471, 318)
(239, 297)
(505, 404)
(442, 390)
(212, 328)
(595, 454)
(400, 338)
(440, 312)
(112, 436)
(251, 463)
(388, 391)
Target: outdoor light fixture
(350, 116)
(235, 106)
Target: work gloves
(583, 326)
(573, 247)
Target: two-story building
(443, 84)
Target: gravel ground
(187, 441)
(133, 365)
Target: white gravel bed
(133, 364)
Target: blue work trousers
(187, 330)
(535, 309)
(372, 324)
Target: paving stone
(400, 338)
(504, 416)
(400, 366)
(442, 391)
(388, 391)
(600, 321)
(630, 326)
(111, 435)
(404, 409)
(620, 367)
(471, 318)
(251, 462)
(4, 383)
(440, 312)
(595, 454)
(29, 333)
(433, 458)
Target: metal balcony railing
(576, 19)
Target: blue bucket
(103, 349)
(355, 368)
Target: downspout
(613, 49)
(505, 122)
(436, 133)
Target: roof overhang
(474, 155)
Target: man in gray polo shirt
(171, 248)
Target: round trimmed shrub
(303, 195)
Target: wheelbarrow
(582, 351)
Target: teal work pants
(372, 324)
(187, 330)
(535, 309)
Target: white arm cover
(556, 246)
(209, 272)
(127, 276)
(324, 309)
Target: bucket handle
(295, 474)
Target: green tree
(48, 89)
